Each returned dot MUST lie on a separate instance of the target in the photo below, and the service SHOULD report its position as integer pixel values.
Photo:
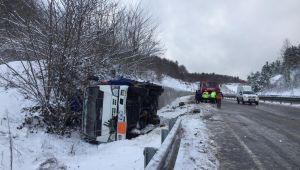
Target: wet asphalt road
(257, 137)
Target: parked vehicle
(117, 109)
(245, 94)
(209, 91)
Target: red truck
(209, 91)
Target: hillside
(163, 66)
(279, 87)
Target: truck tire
(256, 103)
(243, 101)
(238, 101)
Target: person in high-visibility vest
(205, 95)
(213, 95)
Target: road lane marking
(248, 150)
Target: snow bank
(194, 151)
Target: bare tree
(10, 141)
(66, 42)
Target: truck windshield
(212, 84)
(91, 116)
(248, 92)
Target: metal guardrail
(280, 99)
(165, 156)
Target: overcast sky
(233, 37)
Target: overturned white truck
(118, 109)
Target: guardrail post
(164, 134)
(149, 152)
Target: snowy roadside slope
(31, 150)
(278, 86)
(40, 150)
(36, 149)
(230, 88)
(177, 84)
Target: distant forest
(288, 66)
(173, 69)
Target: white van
(245, 94)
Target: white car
(246, 95)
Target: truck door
(107, 113)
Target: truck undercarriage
(116, 110)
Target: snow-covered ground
(34, 149)
(278, 86)
(229, 88)
(41, 150)
(196, 148)
(289, 92)
(31, 150)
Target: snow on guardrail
(161, 160)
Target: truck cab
(245, 94)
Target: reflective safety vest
(205, 95)
(213, 94)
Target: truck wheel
(256, 103)
(238, 101)
(243, 101)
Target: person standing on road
(213, 95)
(205, 95)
